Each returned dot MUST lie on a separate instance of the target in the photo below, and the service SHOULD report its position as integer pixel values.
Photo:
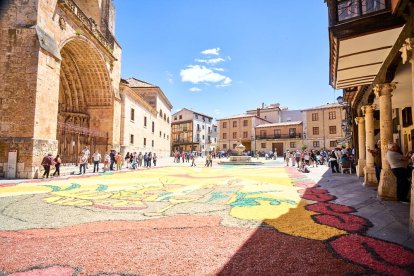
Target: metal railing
(279, 136)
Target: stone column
(370, 178)
(407, 55)
(387, 188)
(361, 145)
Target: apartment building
(193, 131)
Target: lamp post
(347, 122)
(253, 146)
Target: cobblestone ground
(177, 220)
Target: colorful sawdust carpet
(178, 220)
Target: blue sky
(222, 57)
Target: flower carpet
(188, 221)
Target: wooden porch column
(370, 178)
(407, 55)
(361, 146)
(387, 188)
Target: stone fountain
(240, 159)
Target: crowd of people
(112, 161)
(336, 159)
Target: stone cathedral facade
(59, 81)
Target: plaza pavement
(177, 220)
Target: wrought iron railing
(107, 40)
(279, 136)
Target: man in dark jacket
(112, 156)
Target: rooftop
(195, 112)
(242, 116)
(328, 105)
(134, 83)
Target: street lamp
(254, 146)
(347, 122)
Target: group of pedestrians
(112, 161)
(135, 160)
(48, 161)
(185, 157)
(305, 158)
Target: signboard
(11, 164)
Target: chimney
(258, 112)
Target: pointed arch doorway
(85, 100)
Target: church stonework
(59, 81)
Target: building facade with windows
(193, 131)
(145, 119)
(238, 129)
(323, 126)
(279, 137)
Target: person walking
(86, 152)
(47, 162)
(96, 160)
(334, 162)
(210, 159)
(118, 160)
(193, 164)
(398, 164)
(127, 159)
(107, 160)
(57, 162)
(149, 160)
(287, 157)
(154, 159)
(82, 163)
(112, 157)
(140, 157)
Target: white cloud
(170, 77)
(195, 89)
(201, 74)
(205, 72)
(214, 51)
(211, 61)
(226, 82)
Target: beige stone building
(146, 115)
(372, 59)
(323, 126)
(59, 81)
(279, 137)
(235, 129)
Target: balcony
(279, 136)
(107, 40)
(354, 25)
(182, 141)
(352, 9)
